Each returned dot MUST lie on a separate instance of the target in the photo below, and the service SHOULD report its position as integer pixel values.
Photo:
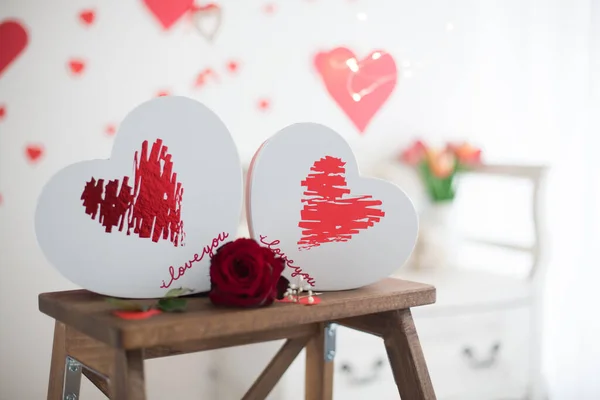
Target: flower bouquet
(436, 245)
(438, 167)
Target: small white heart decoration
(207, 20)
(307, 202)
(148, 219)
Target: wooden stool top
(90, 314)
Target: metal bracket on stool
(72, 379)
(330, 335)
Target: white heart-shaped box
(189, 172)
(307, 202)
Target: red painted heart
(359, 87)
(149, 209)
(168, 11)
(330, 213)
(33, 152)
(13, 40)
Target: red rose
(244, 274)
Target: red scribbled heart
(87, 16)
(330, 214)
(76, 66)
(359, 87)
(13, 40)
(33, 152)
(151, 208)
(168, 11)
(2, 111)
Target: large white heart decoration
(148, 219)
(307, 202)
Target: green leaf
(127, 305)
(172, 304)
(178, 292)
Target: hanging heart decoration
(207, 19)
(13, 40)
(359, 87)
(168, 12)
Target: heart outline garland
(331, 212)
(197, 13)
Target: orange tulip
(441, 163)
(466, 153)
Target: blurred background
(511, 243)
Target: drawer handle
(374, 374)
(486, 362)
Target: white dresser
(481, 339)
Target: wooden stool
(111, 351)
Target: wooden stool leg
(406, 357)
(127, 377)
(65, 372)
(319, 371)
(265, 383)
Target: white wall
(468, 69)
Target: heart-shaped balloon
(336, 229)
(148, 219)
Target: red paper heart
(204, 75)
(77, 66)
(168, 11)
(13, 40)
(87, 16)
(152, 208)
(33, 152)
(330, 214)
(110, 130)
(233, 66)
(269, 8)
(360, 88)
(264, 104)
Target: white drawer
(482, 357)
(362, 369)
